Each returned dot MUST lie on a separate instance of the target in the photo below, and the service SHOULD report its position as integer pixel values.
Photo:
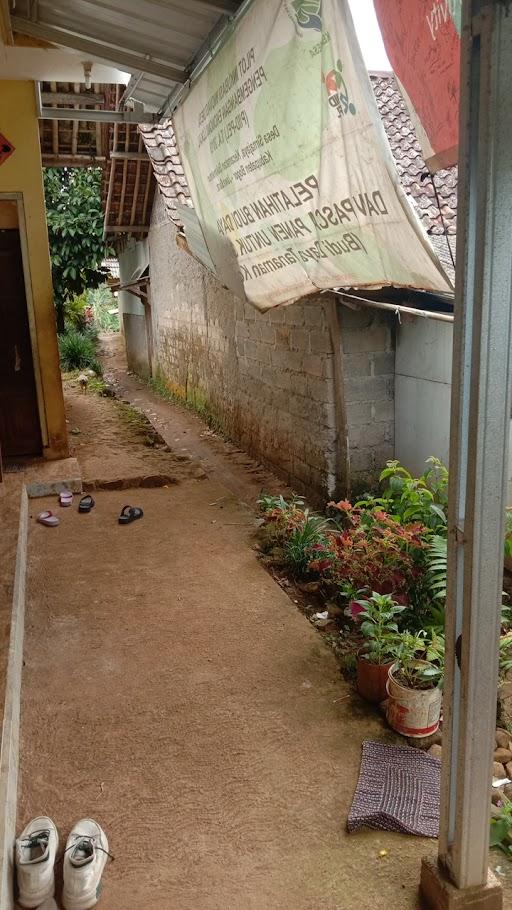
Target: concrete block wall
(369, 383)
(266, 378)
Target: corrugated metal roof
(157, 40)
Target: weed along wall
(21, 174)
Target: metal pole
(480, 419)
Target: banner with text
(422, 41)
(288, 165)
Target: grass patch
(160, 387)
(78, 351)
(139, 425)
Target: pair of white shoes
(84, 861)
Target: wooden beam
(5, 23)
(55, 127)
(111, 178)
(73, 160)
(125, 174)
(135, 192)
(74, 135)
(130, 156)
(126, 229)
(146, 194)
(78, 98)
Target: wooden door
(20, 431)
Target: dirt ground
(174, 692)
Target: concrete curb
(9, 754)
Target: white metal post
(480, 421)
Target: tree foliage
(75, 232)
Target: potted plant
(414, 686)
(378, 624)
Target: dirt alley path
(173, 691)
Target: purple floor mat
(397, 790)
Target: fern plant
(437, 566)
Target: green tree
(75, 232)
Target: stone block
(356, 320)
(276, 315)
(299, 339)
(319, 389)
(368, 389)
(357, 365)
(439, 893)
(373, 339)
(283, 336)
(294, 314)
(267, 334)
(286, 360)
(359, 413)
(257, 351)
(371, 434)
(320, 342)
(314, 314)
(383, 363)
(314, 365)
(242, 329)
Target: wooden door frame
(18, 199)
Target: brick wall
(267, 378)
(369, 378)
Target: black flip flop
(86, 503)
(129, 514)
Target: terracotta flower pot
(372, 680)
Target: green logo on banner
(308, 13)
(337, 91)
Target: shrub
(304, 543)
(78, 351)
(102, 302)
(74, 312)
(377, 552)
(407, 498)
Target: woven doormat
(397, 790)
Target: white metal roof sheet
(156, 40)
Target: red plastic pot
(372, 680)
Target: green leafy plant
(269, 503)
(78, 352)
(505, 655)
(378, 618)
(305, 542)
(508, 534)
(420, 662)
(375, 551)
(103, 303)
(412, 499)
(501, 828)
(75, 232)
(280, 518)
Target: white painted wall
(422, 391)
(423, 368)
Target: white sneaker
(84, 860)
(36, 849)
